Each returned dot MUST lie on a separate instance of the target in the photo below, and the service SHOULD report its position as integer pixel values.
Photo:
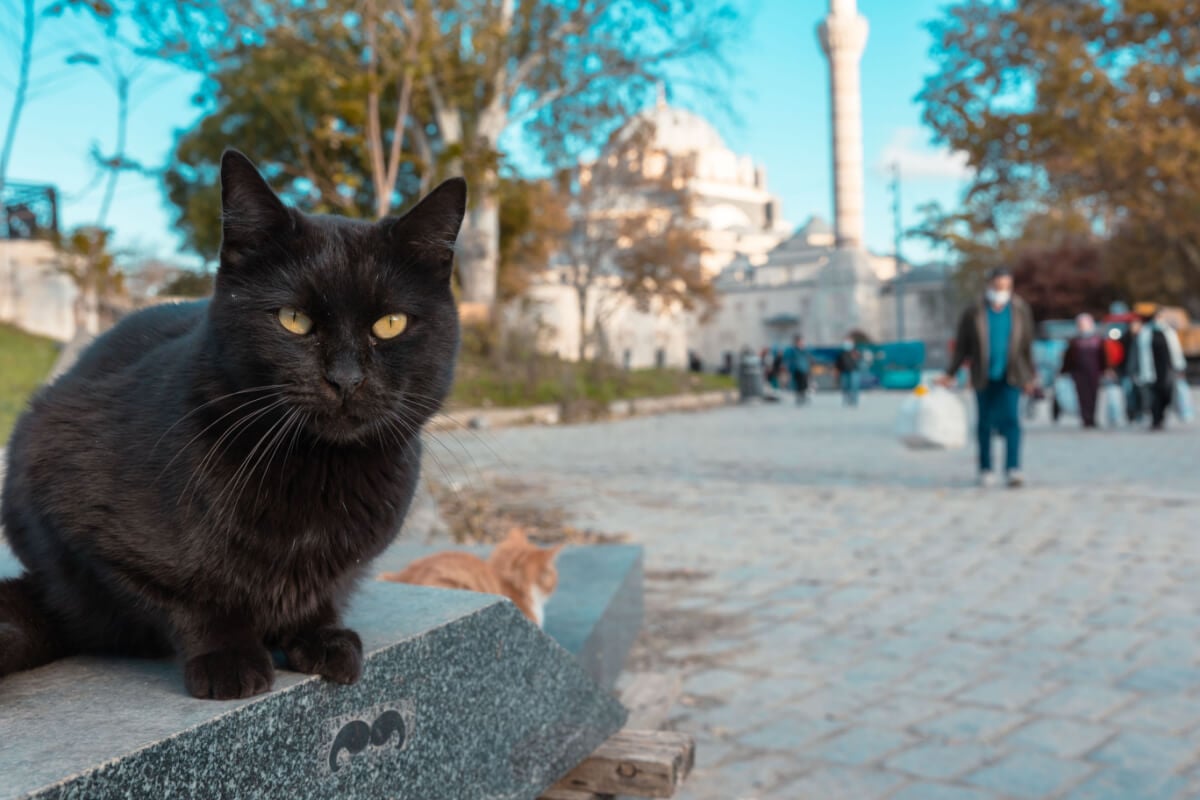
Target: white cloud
(917, 159)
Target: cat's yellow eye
(391, 326)
(294, 321)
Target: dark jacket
(970, 345)
(847, 361)
(1085, 356)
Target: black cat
(213, 478)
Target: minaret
(843, 37)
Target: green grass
(25, 361)
(542, 380)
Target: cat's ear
(251, 213)
(430, 228)
(554, 551)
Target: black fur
(206, 482)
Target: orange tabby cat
(516, 569)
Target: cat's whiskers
(202, 406)
(295, 437)
(470, 474)
(432, 405)
(224, 440)
(407, 429)
(208, 427)
(242, 477)
(285, 432)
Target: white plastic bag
(932, 419)
(1065, 396)
(1183, 400)
(1113, 395)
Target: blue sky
(779, 97)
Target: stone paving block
(1163, 679)
(1176, 646)
(1086, 701)
(1120, 784)
(900, 711)
(829, 781)
(714, 682)
(1030, 775)
(859, 746)
(942, 761)
(941, 791)
(1032, 662)
(1008, 692)
(1151, 752)
(1119, 614)
(876, 672)
(971, 724)
(990, 631)
(751, 778)
(938, 680)
(1164, 713)
(790, 733)
(1112, 642)
(1052, 635)
(1064, 738)
(1090, 669)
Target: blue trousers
(999, 412)
(851, 383)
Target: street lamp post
(897, 235)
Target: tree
(189, 283)
(83, 255)
(30, 18)
(532, 224)
(302, 119)
(1091, 107)
(634, 235)
(568, 70)
(1058, 262)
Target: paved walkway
(854, 620)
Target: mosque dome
(677, 132)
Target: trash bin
(750, 378)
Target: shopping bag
(1065, 396)
(1114, 404)
(1182, 401)
(932, 419)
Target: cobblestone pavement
(855, 620)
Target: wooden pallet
(639, 761)
(631, 763)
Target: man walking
(798, 364)
(996, 336)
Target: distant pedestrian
(848, 364)
(1155, 362)
(798, 362)
(996, 336)
(1085, 362)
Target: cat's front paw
(230, 674)
(333, 653)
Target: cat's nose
(344, 378)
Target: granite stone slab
(596, 612)
(460, 698)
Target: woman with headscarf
(1085, 363)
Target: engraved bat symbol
(354, 737)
